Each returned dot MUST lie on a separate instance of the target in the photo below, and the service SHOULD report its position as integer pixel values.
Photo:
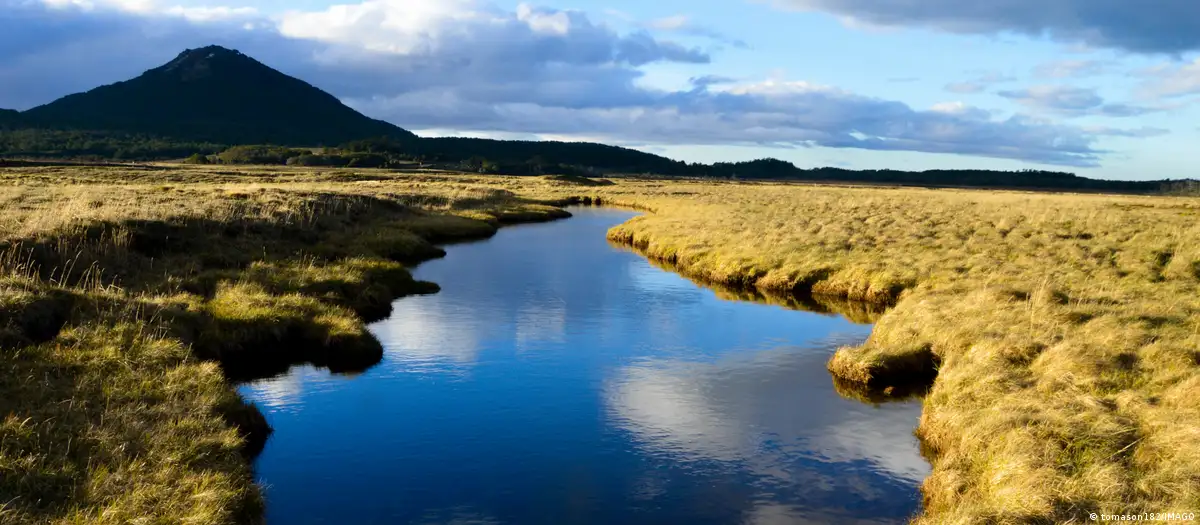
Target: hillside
(583, 154)
(214, 94)
(9, 118)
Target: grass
(130, 300)
(1063, 330)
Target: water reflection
(557, 379)
(759, 407)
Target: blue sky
(1103, 88)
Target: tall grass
(129, 301)
(1064, 330)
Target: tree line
(522, 158)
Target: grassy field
(1063, 329)
(130, 300)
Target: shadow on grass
(84, 431)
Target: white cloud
(671, 22)
(1071, 69)
(424, 332)
(471, 30)
(729, 410)
(1171, 80)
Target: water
(557, 379)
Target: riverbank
(129, 301)
(1063, 329)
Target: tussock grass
(130, 299)
(1063, 329)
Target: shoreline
(358, 354)
(1016, 368)
(164, 316)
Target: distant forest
(518, 158)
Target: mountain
(9, 118)
(215, 95)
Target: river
(558, 379)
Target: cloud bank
(1146, 26)
(470, 66)
(1072, 102)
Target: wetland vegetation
(1063, 329)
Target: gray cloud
(965, 88)
(978, 84)
(685, 26)
(710, 80)
(1138, 133)
(1148, 26)
(1073, 102)
(467, 67)
(1071, 69)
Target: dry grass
(129, 299)
(1064, 329)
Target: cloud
(1072, 102)
(1070, 69)
(457, 30)
(678, 24)
(979, 84)
(472, 67)
(1171, 80)
(683, 24)
(740, 409)
(1153, 26)
(772, 114)
(710, 80)
(965, 87)
(1138, 133)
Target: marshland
(1054, 337)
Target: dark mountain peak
(219, 95)
(205, 61)
(9, 118)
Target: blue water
(557, 379)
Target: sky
(1102, 88)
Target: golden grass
(1063, 329)
(129, 299)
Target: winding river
(557, 379)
